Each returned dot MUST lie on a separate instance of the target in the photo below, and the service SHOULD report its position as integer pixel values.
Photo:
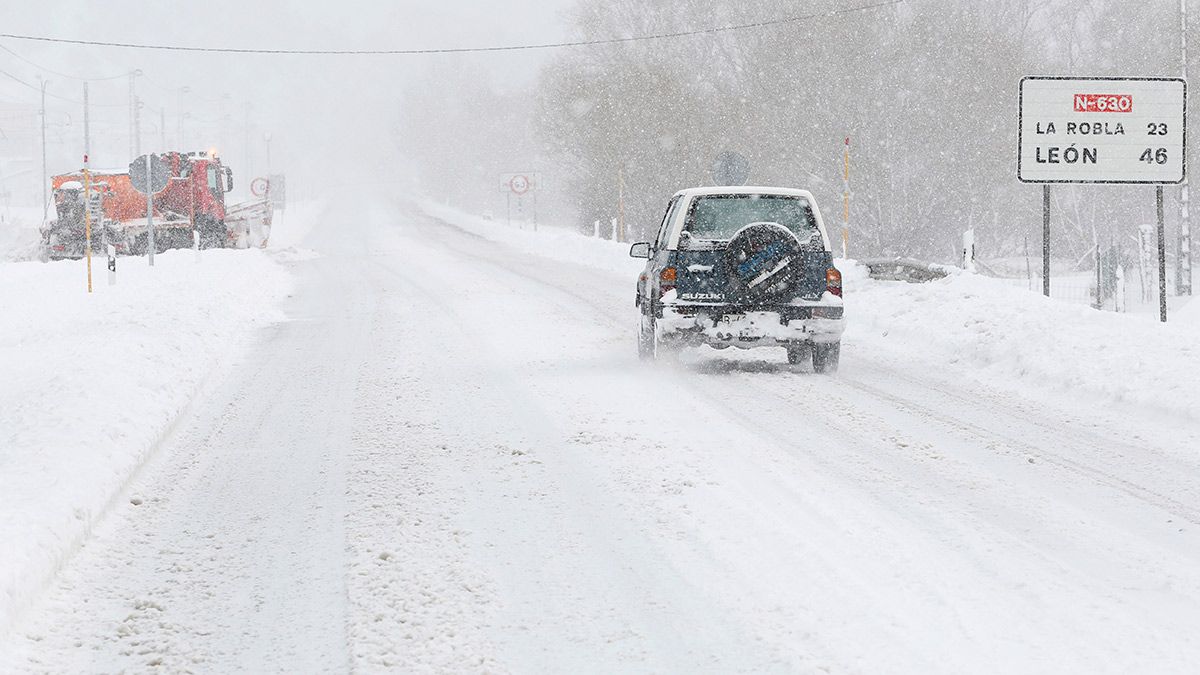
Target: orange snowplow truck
(193, 201)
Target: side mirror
(640, 250)
(228, 179)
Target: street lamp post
(182, 135)
(246, 145)
(45, 186)
(183, 115)
(137, 127)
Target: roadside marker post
(1102, 130)
(112, 264)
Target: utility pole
(1183, 283)
(137, 127)
(183, 115)
(182, 135)
(45, 186)
(133, 105)
(87, 187)
(131, 114)
(162, 129)
(246, 146)
(87, 138)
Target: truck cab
(197, 191)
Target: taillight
(833, 281)
(666, 279)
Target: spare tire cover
(760, 259)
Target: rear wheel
(825, 357)
(646, 338)
(798, 354)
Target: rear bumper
(724, 325)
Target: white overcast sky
(321, 110)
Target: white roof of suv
(745, 190)
(681, 214)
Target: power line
(19, 81)
(460, 50)
(55, 72)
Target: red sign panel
(1104, 103)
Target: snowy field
(92, 384)
(447, 458)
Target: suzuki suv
(742, 267)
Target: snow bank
(19, 236)
(92, 382)
(987, 331)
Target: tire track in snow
(1107, 478)
(998, 447)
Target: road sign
(1102, 130)
(277, 182)
(730, 168)
(259, 186)
(519, 183)
(159, 173)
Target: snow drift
(92, 382)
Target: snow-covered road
(449, 459)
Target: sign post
(1046, 240)
(520, 184)
(149, 174)
(1162, 256)
(1107, 130)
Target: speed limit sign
(519, 184)
(259, 186)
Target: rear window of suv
(721, 216)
